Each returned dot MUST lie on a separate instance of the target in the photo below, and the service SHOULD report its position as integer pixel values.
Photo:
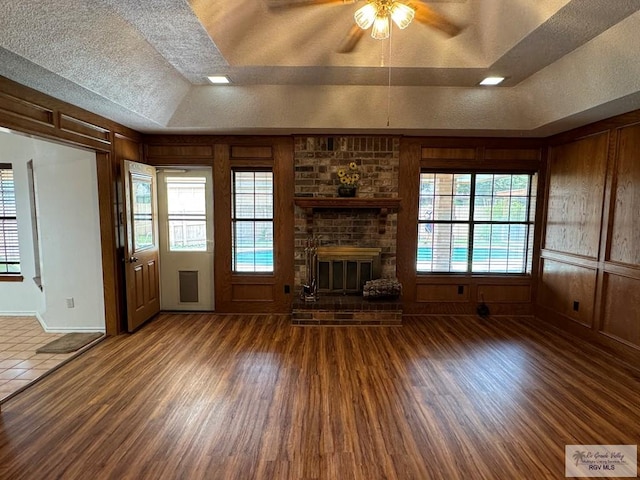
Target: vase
(346, 191)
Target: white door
(185, 211)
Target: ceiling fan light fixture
(380, 29)
(365, 16)
(402, 14)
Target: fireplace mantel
(382, 205)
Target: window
(142, 205)
(186, 207)
(252, 220)
(476, 222)
(9, 247)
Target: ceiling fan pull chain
(389, 90)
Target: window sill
(454, 275)
(11, 278)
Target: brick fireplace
(317, 160)
(366, 223)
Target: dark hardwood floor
(251, 397)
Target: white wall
(69, 232)
(21, 298)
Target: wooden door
(141, 247)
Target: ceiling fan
(378, 15)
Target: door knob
(133, 259)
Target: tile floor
(20, 365)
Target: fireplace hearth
(346, 310)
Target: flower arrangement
(349, 176)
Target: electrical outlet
(460, 289)
(576, 306)
(287, 289)
(70, 302)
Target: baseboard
(619, 350)
(48, 329)
(18, 314)
(73, 330)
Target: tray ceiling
(144, 63)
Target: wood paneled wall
(587, 278)
(456, 293)
(28, 111)
(576, 188)
(589, 281)
(234, 292)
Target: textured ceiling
(144, 63)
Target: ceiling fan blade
(275, 4)
(430, 17)
(351, 40)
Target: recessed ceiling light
(219, 79)
(492, 81)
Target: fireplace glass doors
(344, 270)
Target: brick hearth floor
(342, 310)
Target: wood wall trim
(480, 157)
(477, 142)
(477, 278)
(252, 163)
(569, 258)
(622, 270)
(26, 110)
(444, 153)
(409, 185)
(251, 151)
(526, 154)
(75, 126)
(284, 228)
(162, 153)
(222, 230)
(609, 124)
(108, 235)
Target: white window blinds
(9, 247)
(476, 222)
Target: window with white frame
(476, 222)
(252, 220)
(9, 246)
(187, 214)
